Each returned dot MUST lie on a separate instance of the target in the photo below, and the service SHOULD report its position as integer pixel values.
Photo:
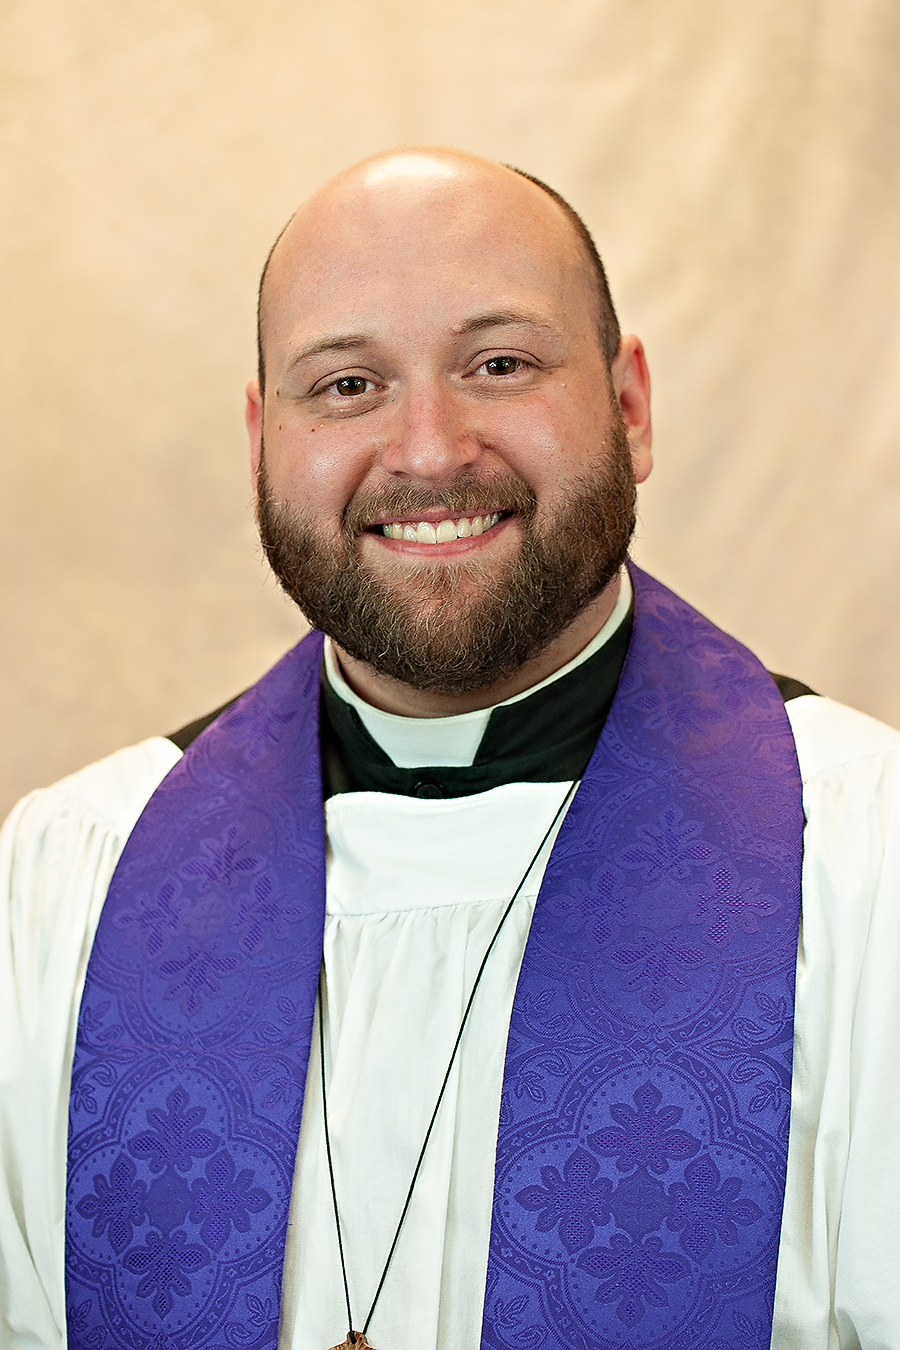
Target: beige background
(738, 163)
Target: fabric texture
(643, 1131)
(177, 1091)
(199, 993)
(840, 1245)
(416, 888)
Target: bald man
(440, 990)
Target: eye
(349, 386)
(503, 365)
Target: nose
(432, 441)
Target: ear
(253, 416)
(631, 385)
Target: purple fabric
(193, 1037)
(644, 1120)
(643, 1138)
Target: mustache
(465, 497)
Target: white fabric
(840, 1248)
(407, 926)
(58, 851)
(421, 742)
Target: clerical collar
(546, 734)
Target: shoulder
(850, 766)
(66, 838)
(114, 790)
(118, 787)
(831, 737)
(58, 851)
(845, 1097)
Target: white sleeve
(58, 851)
(838, 1285)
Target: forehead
(400, 255)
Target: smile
(443, 531)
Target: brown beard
(457, 627)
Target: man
(565, 1132)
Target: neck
(394, 697)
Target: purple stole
(644, 1120)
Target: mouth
(440, 531)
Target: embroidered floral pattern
(645, 1135)
(221, 862)
(86, 1083)
(669, 849)
(164, 1264)
(634, 1264)
(257, 727)
(665, 998)
(263, 914)
(196, 976)
(705, 1207)
(89, 1337)
(258, 1327)
(177, 1137)
(151, 920)
(170, 1030)
(732, 906)
(632, 1274)
(575, 1201)
(116, 1205)
(657, 967)
(679, 716)
(206, 887)
(225, 1198)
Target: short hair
(609, 330)
(608, 325)
(260, 354)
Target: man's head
(608, 330)
(436, 346)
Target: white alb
(415, 888)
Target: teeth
(444, 532)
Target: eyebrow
(339, 342)
(346, 342)
(503, 318)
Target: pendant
(355, 1341)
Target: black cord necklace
(356, 1340)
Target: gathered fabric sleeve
(58, 851)
(838, 1285)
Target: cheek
(547, 444)
(311, 467)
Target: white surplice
(415, 888)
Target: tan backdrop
(737, 162)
